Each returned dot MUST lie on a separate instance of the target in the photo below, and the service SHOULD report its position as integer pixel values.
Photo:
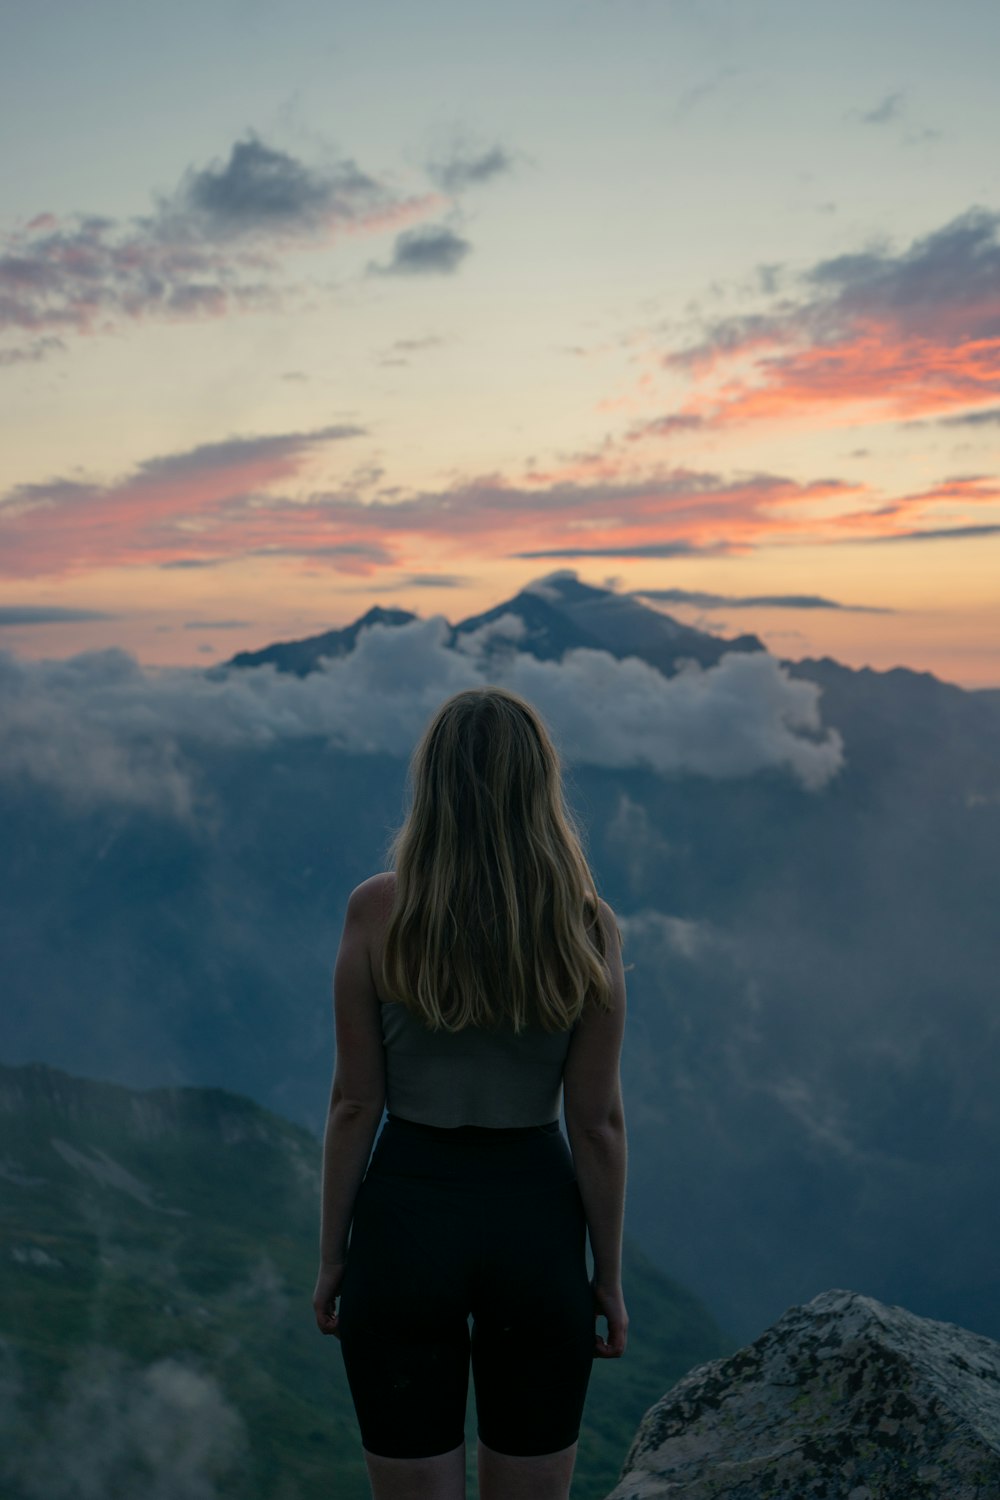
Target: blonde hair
(495, 916)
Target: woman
(476, 983)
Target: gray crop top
(471, 1077)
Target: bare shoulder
(369, 895)
(609, 921)
(369, 904)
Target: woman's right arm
(595, 1124)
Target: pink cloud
(225, 502)
(218, 503)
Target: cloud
(645, 549)
(429, 250)
(988, 418)
(939, 501)
(694, 96)
(47, 614)
(780, 601)
(348, 557)
(922, 137)
(616, 517)
(688, 937)
(164, 1430)
(893, 335)
(98, 751)
(216, 624)
(141, 517)
(412, 346)
(632, 834)
(241, 498)
(888, 109)
(261, 190)
(209, 249)
(963, 487)
(403, 581)
(97, 727)
(936, 533)
(463, 170)
(398, 353)
(734, 719)
(433, 581)
(32, 352)
(210, 505)
(666, 426)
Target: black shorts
(450, 1224)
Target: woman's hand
(610, 1304)
(325, 1297)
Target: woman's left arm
(357, 1096)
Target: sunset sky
(309, 307)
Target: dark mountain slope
(302, 657)
(159, 1251)
(626, 627)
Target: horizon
(251, 643)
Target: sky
(314, 307)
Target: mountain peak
(625, 626)
(563, 587)
(379, 616)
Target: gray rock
(842, 1399)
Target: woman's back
(491, 1077)
(471, 1077)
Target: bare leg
(504, 1477)
(439, 1478)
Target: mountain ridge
(557, 613)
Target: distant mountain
(302, 657)
(159, 1253)
(547, 632)
(558, 614)
(626, 627)
(885, 715)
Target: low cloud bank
(164, 1431)
(99, 726)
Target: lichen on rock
(844, 1398)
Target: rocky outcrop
(842, 1399)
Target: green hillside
(156, 1334)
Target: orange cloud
(878, 335)
(216, 504)
(242, 498)
(163, 511)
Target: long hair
(495, 918)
